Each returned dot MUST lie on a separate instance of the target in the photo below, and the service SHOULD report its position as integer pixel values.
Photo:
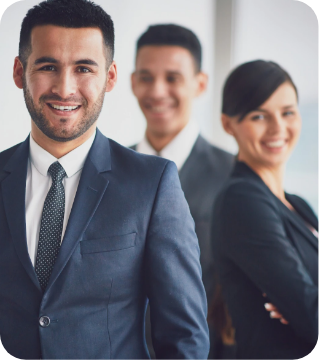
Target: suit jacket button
(44, 321)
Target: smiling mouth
(158, 109)
(64, 108)
(275, 144)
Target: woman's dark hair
(68, 14)
(218, 316)
(250, 85)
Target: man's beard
(62, 134)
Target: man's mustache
(54, 97)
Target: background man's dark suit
(129, 237)
(260, 247)
(202, 176)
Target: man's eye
(146, 79)
(172, 79)
(48, 68)
(83, 69)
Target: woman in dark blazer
(265, 240)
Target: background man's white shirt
(178, 149)
(38, 183)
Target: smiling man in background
(89, 230)
(168, 77)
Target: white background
(285, 30)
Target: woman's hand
(274, 312)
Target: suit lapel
(243, 170)
(91, 189)
(187, 170)
(299, 224)
(303, 210)
(13, 191)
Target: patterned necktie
(51, 226)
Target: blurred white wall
(121, 118)
(284, 31)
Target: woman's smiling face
(267, 135)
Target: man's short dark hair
(68, 14)
(172, 35)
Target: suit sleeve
(175, 290)
(254, 238)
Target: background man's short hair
(172, 35)
(68, 14)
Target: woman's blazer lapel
(298, 220)
(304, 213)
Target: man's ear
(202, 81)
(111, 77)
(227, 123)
(18, 72)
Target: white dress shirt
(39, 182)
(178, 149)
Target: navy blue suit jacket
(130, 237)
(260, 246)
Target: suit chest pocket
(109, 243)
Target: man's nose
(158, 89)
(65, 85)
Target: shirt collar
(72, 162)
(178, 149)
(144, 147)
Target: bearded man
(90, 231)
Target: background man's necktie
(51, 226)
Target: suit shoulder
(224, 157)
(6, 155)
(245, 203)
(134, 160)
(241, 188)
(214, 152)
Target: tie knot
(56, 171)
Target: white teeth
(276, 144)
(64, 108)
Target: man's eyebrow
(86, 62)
(174, 72)
(170, 72)
(48, 59)
(45, 59)
(143, 71)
